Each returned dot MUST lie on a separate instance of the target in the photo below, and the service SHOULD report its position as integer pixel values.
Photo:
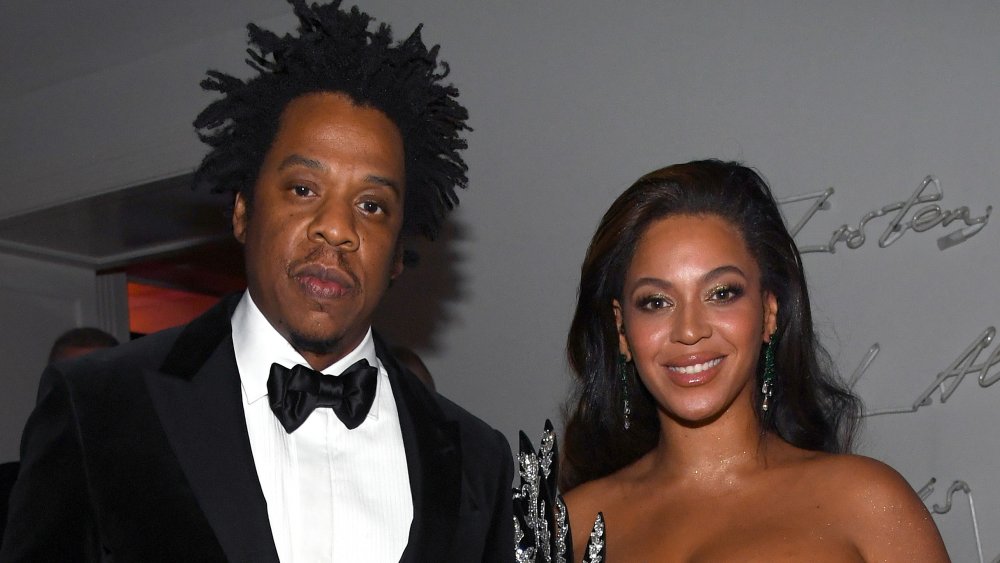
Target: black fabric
(141, 453)
(8, 474)
(295, 393)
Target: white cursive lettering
(906, 218)
(948, 380)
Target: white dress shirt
(332, 494)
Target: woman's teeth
(697, 368)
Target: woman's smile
(695, 369)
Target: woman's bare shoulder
(850, 477)
(859, 485)
(608, 489)
(603, 495)
(876, 508)
(591, 497)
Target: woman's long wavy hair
(810, 409)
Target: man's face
(321, 234)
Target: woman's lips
(694, 372)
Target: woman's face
(693, 316)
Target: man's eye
(302, 191)
(371, 207)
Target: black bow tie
(295, 393)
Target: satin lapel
(434, 462)
(197, 396)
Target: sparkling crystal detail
(596, 552)
(562, 532)
(767, 391)
(541, 521)
(522, 554)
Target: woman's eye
(725, 293)
(653, 302)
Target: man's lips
(324, 281)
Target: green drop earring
(623, 375)
(767, 387)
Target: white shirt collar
(258, 345)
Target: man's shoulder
(175, 350)
(473, 429)
(147, 352)
(106, 380)
(454, 411)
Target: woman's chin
(695, 415)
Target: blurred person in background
(80, 341)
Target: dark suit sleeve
(49, 516)
(500, 542)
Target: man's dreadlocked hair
(335, 52)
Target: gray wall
(573, 101)
(38, 302)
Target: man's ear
(770, 315)
(240, 218)
(623, 348)
(397, 262)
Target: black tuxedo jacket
(141, 453)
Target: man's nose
(335, 224)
